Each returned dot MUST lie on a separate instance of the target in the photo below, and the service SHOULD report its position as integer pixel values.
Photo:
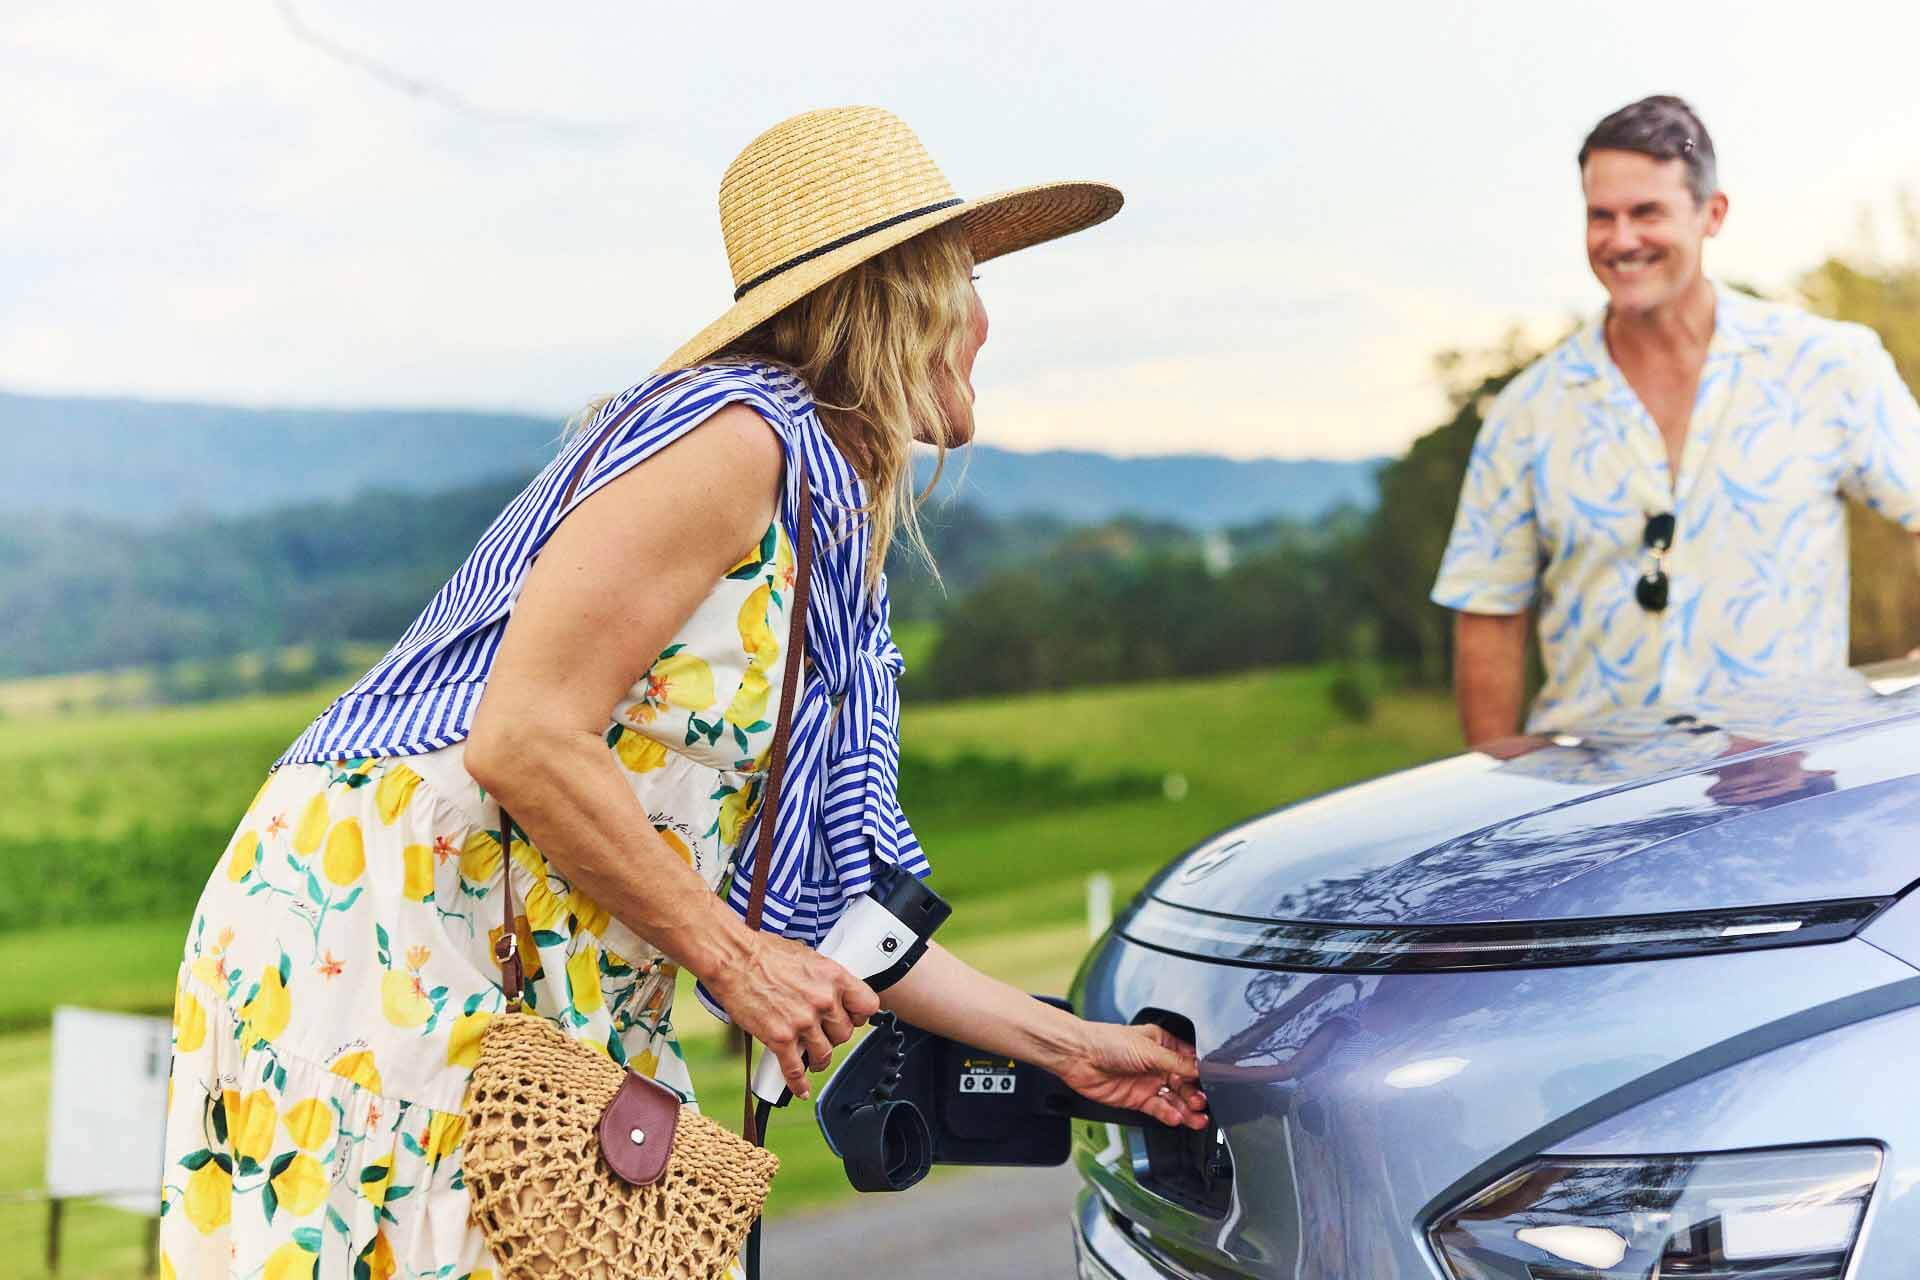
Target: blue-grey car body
(1359, 1104)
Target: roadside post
(1099, 904)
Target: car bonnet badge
(1208, 861)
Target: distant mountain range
(145, 462)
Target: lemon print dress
(339, 973)
(339, 967)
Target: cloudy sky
(496, 205)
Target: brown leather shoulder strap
(782, 730)
(506, 948)
(789, 694)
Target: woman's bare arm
(1142, 1068)
(608, 592)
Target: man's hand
(1489, 673)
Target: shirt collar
(1741, 325)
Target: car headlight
(1792, 1212)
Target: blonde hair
(879, 346)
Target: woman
(605, 666)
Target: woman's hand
(1141, 1068)
(798, 1003)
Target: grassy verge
(127, 966)
(120, 792)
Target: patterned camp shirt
(1793, 414)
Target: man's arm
(1490, 571)
(1914, 653)
(1489, 673)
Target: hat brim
(995, 225)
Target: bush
(143, 874)
(1353, 691)
(971, 788)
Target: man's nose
(1621, 238)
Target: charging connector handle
(881, 936)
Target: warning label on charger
(986, 1075)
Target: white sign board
(109, 1112)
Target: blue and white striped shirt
(841, 808)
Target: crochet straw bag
(579, 1168)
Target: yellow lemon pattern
(208, 1201)
(189, 1022)
(250, 1125)
(583, 980)
(358, 1067)
(395, 792)
(402, 1000)
(301, 1185)
(291, 1261)
(243, 856)
(444, 1133)
(674, 842)
(589, 917)
(735, 811)
(416, 863)
(480, 857)
(265, 1015)
(638, 752)
(376, 1260)
(340, 972)
(313, 825)
(346, 855)
(678, 679)
(463, 1042)
(309, 1124)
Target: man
(1664, 489)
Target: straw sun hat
(818, 194)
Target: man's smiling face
(1644, 228)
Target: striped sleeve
(646, 418)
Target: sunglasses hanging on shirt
(1651, 590)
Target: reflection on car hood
(1785, 794)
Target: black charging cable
(884, 1024)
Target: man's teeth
(1630, 266)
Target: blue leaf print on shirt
(1744, 501)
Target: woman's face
(960, 395)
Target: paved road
(986, 1224)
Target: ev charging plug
(882, 934)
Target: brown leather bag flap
(636, 1130)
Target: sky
(504, 206)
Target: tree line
(1021, 602)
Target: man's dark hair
(1665, 128)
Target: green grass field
(1016, 870)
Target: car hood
(1785, 794)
